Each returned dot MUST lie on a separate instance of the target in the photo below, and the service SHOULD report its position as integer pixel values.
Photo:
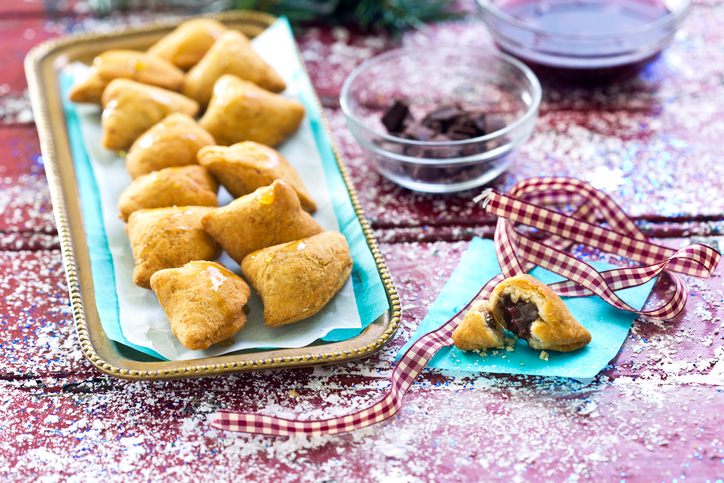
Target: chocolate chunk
(461, 132)
(394, 117)
(489, 320)
(519, 316)
(493, 124)
(479, 121)
(440, 138)
(446, 123)
(419, 132)
(443, 113)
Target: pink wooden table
(653, 142)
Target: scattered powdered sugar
(657, 409)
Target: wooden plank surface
(655, 414)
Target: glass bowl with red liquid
(428, 79)
(580, 35)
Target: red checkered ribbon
(518, 253)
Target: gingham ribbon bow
(518, 253)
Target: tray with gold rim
(45, 66)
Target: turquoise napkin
(607, 325)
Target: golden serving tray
(42, 66)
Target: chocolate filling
(489, 320)
(518, 316)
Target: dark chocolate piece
(493, 124)
(489, 320)
(419, 132)
(446, 123)
(394, 117)
(519, 316)
(462, 132)
(479, 121)
(444, 113)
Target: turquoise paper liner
(369, 291)
(608, 325)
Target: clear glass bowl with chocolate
(441, 119)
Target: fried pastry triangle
(242, 111)
(168, 238)
(246, 166)
(178, 186)
(295, 280)
(130, 108)
(231, 54)
(478, 330)
(172, 142)
(532, 311)
(269, 216)
(128, 64)
(204, 302)
(185, 46)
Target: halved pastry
(204, 302)
(178, 186)
(478, 330)
(242, 111)
(189, 42)
(168, 238)
(295, 280)
(172, 142)
(269, 216)
(130, 108)
(532, 311)
(128, 64)
(246, 166)
(231, 54)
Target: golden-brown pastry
(177, 186)
(295, 280)
(246, 166)
(129, 64)
(242, 111)
(269, 216)
(532, 311)
(231, 54)
(204, 302)
(478, 329)
(186, 45)
(168, 238)
(130, 108)
(172, 142)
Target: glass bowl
(427, 78)
(584, 34)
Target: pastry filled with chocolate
(532, 311)
(478, 330)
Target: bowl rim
(532, 110)
(680, 11)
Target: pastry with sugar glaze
(247, 166)
(242, 111)
(168, 238)
(174, 141)
(178, 186)
(204, 301)
(189, 42)
(231, 54)
(296, 280)
(131, 108)
(269, 216)
(128, 64)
